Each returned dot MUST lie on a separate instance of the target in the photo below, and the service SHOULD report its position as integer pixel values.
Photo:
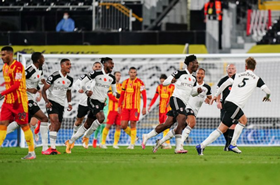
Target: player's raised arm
(265, 89)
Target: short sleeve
(142, 86)
(176, 74)
(158, 90)
(124, 85)
(260, 83)
(19, 72)
(50, 79)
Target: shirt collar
(187, 71)
(34, 66)
(62, 74)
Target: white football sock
(53, 137)
(44, 128)
(151, 134)
(168, 136)
(12, 127)
(178, 139)
(75, 129)
(92, 128)
(237, 131)
(185, 133)
(78, 134)
(211, 138)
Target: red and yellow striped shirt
(113, 101)
(15, 83)
(132, 90)
(165, 92)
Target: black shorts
(232, 114)
(94, 106)
(189, 112)
(82, 111)
(56, 109)
(32, 109)
(177, 106)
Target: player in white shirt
(243, 85)
(192, 109)
(59, 89)
(83, 106)
(97, 97)
(184, 88)
(34, 76)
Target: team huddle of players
(181, 96)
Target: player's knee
(123, 126)
(101, 119)
(45, 119)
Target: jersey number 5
(243, 83)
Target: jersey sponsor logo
(101, 85)
(18, 76)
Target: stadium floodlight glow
(263, 118)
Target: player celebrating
(165, 93)
(129, 104)
(231, 70)
(192, 108)
(34, 75)
(83, 106)
(113, 115)
(184, 88)
(59, 85)
(243, 86)
(97, 96)
(15, 106)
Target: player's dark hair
(132, 68)
(116, 72)
(163, 76)
(36, 56)
(7, 48)
(104, 60)
(251, 63)
(189, 59)
(64, 60)
(202, 69)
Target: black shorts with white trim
(56, 109)
(94, 106)
(32, 109)
(232, 114)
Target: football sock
(151, 134)
(185, 133)
(3, 133)
(168, 136)
(211, 138)
(95, 126)
(164, 134)
(230, 135)
(44, 128)
(53, 137)
(237, 131)
(226, 137)
(75, 128)
(178, 139)
(104, 135)
(78, 134)
(117, 136)
(12, 127)
(128, 131)
(133, 136)
(28, 137)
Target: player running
(113, 116)
(192, 109)
(129, 104)
(34, 78)
(15, 106)
(184, 88)
(243, 85)
(59, 87)
(97, 97)
(165, 93)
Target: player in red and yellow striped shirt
(129, 103)
(165, 92)
(113, 116)
(15, 106)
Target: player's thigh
(232, 113)
(191, 121)
(55, 113)
(20, 112)
(41, 116)
(222, 127)
(125, 114)
(111, 118)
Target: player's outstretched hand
(69, 107)
(199, 90)
(207, 101)
(144, 111)
(213, 99)
(266, 99)
(219, 105)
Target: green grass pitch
(256, 165)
